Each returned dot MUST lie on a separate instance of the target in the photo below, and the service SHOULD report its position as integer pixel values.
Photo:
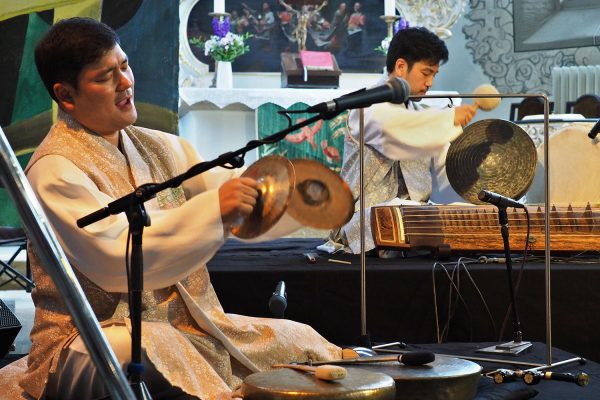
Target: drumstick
(323, 372)
(411, 358)
(486, 103)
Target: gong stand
(546, 202)
(132, 205)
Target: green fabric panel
(8, 212)
(31, 97)
(322, 140)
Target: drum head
(446, 378)
(285, 383)
(574, 168)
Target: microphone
(534, 377)
(594, 131)
(498, 200)
(278, 301)
(395, 90)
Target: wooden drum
(282, 384)
(446, 378)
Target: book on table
(317, 60)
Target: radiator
(568, 83)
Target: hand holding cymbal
(487, 103)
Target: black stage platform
(546, 390)
(400, 305)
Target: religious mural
(349, 30)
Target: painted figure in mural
(262, 22)
(356, 30)
(93, 155)
(406, 144)
(356, 22)
(304, 17)
(334, 39)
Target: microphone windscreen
(277, 305)
(414, 358)
(401, 90)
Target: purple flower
(220, 26)
(400, 24)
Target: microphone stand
(138, 218)
(132, 205)
(517, 345)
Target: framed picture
(349, 30)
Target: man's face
(420, 76)
(103, 101)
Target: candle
(390, 7)
(219, 6)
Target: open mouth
(125, 102)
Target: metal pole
(42, 236)
(363, 262)
(547, 269)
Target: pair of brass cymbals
(310, 193)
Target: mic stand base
(509, 348)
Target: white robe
(186, 334)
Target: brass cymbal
(276, 178)
(321, 198)
(492, 154)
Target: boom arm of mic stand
(232, 159)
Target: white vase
(224, 76)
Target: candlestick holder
(390, 20)
(219, 15)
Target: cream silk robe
(399, 141)
(186, 333)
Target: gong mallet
(323, 372)
(486, 103)
(411, 358)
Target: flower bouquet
(223, 45)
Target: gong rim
(290, 384)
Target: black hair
(416, 45)
(68, 47)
